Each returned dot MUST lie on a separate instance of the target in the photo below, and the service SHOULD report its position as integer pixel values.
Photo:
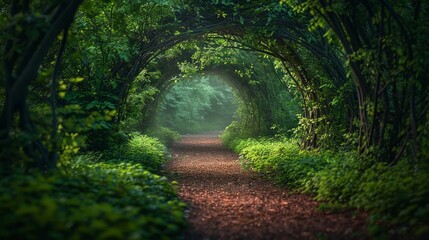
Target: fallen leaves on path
(226, 203)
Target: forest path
(226, 203)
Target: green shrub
(142, 149)
(232, 135)
(281, 161)
(91, 201)
(105, 139)
(165, 135)
(147, 151)
(396, 196)
(100, 195)
(240, 144)
(339, 181)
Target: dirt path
(225, 203)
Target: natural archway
(251, 33)
(75, 72)
(263, 105)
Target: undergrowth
(165, 135)
(95, 197)
(139, 149)
(396, 197)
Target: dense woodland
(324, 97)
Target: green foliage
(384, 54)
(339, 181)
(396, 196)
(232, 136)
(149, 152)
(105, 139)
(281, 161)
(141, 149)
(92, 200)
(165, 135)
(96, 205)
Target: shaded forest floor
(226, 203)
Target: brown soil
(227, 203)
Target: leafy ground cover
(109, 195)
(394, 196)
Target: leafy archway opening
(199, 104)
(268, 104)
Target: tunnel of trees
(345, 80)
